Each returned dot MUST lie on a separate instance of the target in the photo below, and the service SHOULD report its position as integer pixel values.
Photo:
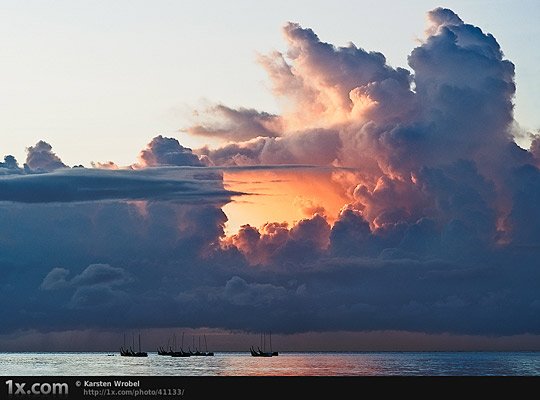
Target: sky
(347, 175)
(98, 79)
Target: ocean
(285, 364)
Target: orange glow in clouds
(281, 195)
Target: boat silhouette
(129, 352)
(263, 353)
(172, 350)
(162, 352)
(197, 351)
(207, 353)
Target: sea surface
(285, 364)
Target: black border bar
(253, 387)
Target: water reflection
(286, 364)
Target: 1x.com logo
(45, 388)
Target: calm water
(295, 364)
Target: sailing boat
(180, 353)
(197, 352)
(130, 352)
(163, 352)
(263, 352)
(206, 352)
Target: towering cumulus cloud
(167, 151)
(432, 172)
(414, 140)
(41, 158)
(417, 211)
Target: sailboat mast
(270, 340)
(205, 345)
(139, 342)
(182, 348)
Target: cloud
(345, 106)
(80, 185)
(350, 234)
(100, 274)
(277, 241)
(41, 158)
(327, 85)
(431, 146)
(239, 124)
(10, 166)
(457, 104)
(163, 151)
(56, 279)
(459, 72)
(437, 233)
(535, 149)
(238, 292)
(93, 275)
(317, 147)
(96, 286)
(361, 294)
(104, 165)
(524, 218)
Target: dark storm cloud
(535, 148)
(524, 217)
(373, 294)
(79, 184)
(95, 286)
